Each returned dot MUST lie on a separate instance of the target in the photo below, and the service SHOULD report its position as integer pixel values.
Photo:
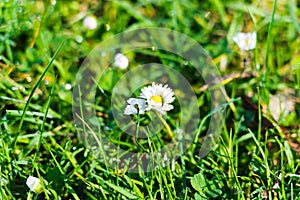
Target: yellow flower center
(247, 41)
(157, 99)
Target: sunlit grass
(44, 43)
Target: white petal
(130, 110)
(168, 107)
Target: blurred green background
(242, 166)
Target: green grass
(42, 48)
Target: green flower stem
(169, 130)
(137, 132)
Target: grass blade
(33, 90)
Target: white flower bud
(34, 184)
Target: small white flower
(34, 184)
(90, 22)
(135, 106)
(158, 97)
(121, 61)
(276, 186)
(246, 41)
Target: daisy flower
(246, 41)
(135, 106)
(158, 97)
(121, 61)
